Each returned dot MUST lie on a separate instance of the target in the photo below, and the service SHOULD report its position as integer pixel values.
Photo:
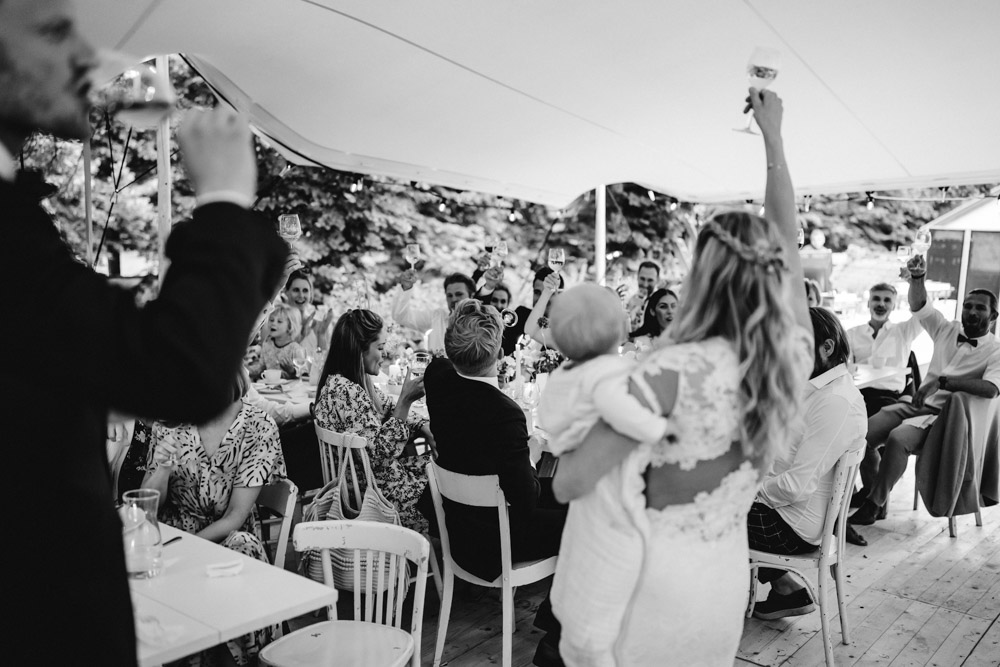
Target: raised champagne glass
(557, 258)
(762, 69)
(922, 242)
(135, 92)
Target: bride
(728, 378)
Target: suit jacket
(480, 431)
(76, 347)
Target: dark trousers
(876, 399)
(767, 531)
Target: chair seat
(348, 643)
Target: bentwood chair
(480, 491)
(338, 449)
(378, 635)
(275, 507)
(828, 558)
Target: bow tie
(971, 341)
(32, 185)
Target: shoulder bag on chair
(331, 504)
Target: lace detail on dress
(713, 514)
(707, 408)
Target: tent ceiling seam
(137, 24)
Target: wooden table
(866, 375)
(196, 611)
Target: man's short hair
(883, 287)
(826, 326)
(988, 294)
(474, 336)
(650, 264)
(460, 278)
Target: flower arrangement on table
(506, 370)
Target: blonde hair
(737, 289)
(294, 318)
(474, 336)
(586, 321)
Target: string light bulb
(761, 211)
(870, 204)
(442, 207)
(652, 195)
(807, 203)
(673, 204)
(944, 192)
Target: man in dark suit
(76, 347)
(480, 431)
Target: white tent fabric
(544, 99)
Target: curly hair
(737, 289)
(474, 337)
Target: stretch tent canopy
(542, 100)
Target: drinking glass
(922, 242)
(499, 254)
(557, 258)
(530, 394)
(134, 92)
(903, 254)
(141, 533)
(301, 361)
(762, 68)
(289, 227)
(411, 254)
(420, 362)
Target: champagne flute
(412, 254)
(762, 68)
(499, 254)
(135, 92)
(557, 258)
(922, 242)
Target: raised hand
(408, 279)
(916, 268)
(217, 152)
(551, 282)
(767, 110)
(493, 276)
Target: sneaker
(779, 606)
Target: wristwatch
(943, 382)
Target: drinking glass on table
(141, 533)
(762, 69)
(301, 361)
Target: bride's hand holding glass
(167, 452)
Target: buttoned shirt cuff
(227, 196)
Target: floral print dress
(344, 406)
(201, 486)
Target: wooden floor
(915, 597)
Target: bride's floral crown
(772, 258)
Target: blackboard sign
(944, 259)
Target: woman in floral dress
(210, 476)
(349, 402)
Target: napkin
(227, 569)
(149, 630)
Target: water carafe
(141, 533)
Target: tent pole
(164, 176)
(88, 201)
(600, 235)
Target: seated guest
(658, 314)
(279, 349)
(457, 287)
(480, 431)
(316, 321)
(349, 402)
(966, 358)
(647, 278)
(813, 296)
(209, 476)
(885, 340)
(787, 516)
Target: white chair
(334, 452)
(376, 636)
(480, 491)
(275, 507)
(826, 559)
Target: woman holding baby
(654, 555)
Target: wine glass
(135, 92)
(411, 254)
(300, 361)
(419, 364)
(903, 254)
(289, 227)
(557, 258)
(491, 243)
(499, 254)
(762, 68)
(529, 394)
(922, 242)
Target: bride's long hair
(737, 289)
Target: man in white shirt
(457, 287)
(887, 342)
(790, 509)
(647, 278)
(966, 358)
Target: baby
(601, 543)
